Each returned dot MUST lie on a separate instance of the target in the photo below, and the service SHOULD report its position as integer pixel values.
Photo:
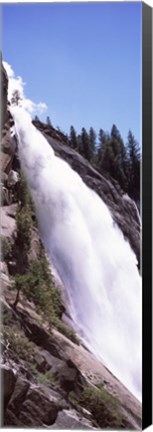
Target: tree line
(110, 155)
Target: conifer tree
(36, 118)
(79, 144)
(120, 157)
(48, 121)
(101, 140)
(73, 138)
(92, 143)
(85, 142)
(133, 166)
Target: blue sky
(82, 59)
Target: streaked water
(94, 261)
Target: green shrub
(19, 343)
(103, 406)
(7, 317)
(37, 286)
(6, 248)
(66, 330)
(34, 279)
(23, 194)
(46, 377)
(23, 229)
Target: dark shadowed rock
(18, 396)
(37, 409)
(29, 405)
(41, 337)
(8, 383)
(10, 419)
(4, 81)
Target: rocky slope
(45, 375)
(48, 380)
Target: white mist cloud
(17, 83)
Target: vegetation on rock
(19, 343)
(33, 278)
(104, 407)
(6, 248)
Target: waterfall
(95, 262)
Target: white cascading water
(95, 262)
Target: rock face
(31, 406)
(8, 155)
(39, 396)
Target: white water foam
(94, 261)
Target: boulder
(8, 223)
(70, 419)
(31, 404)
(69, 376)
(4, 268)
(18, 396)
(37, 409)
(45, 361)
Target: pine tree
(73, 138)
(79, 144)
(92, 143)
(133, 166)
(106, 157)
(85, 143)
(120, 158)
(48, 121)
(36, 118)
(115, 133)
(101, 140)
